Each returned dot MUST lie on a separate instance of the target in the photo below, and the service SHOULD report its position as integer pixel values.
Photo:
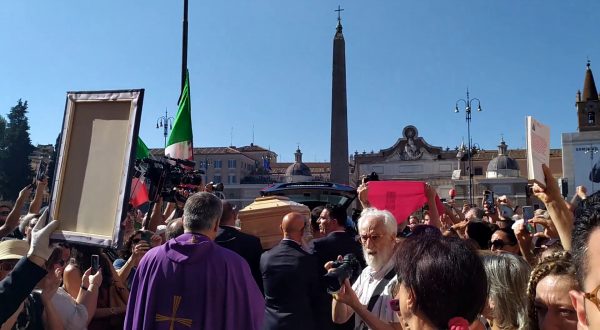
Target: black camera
(348, 268)
(214, 186)
(370, 177)
(168, 177)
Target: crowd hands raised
(53, 286)
(473, 268)
(466, 268)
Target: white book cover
(538, 150)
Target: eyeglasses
(499, 244)
(395, 305)
(593, 296)
(373, 238)
(7, 266)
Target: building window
(231, 163)
(218, 163)
(231, 179)
(217, 179)
(591, 118)
(478, 171)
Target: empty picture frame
(95, 165)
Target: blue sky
(267, 65)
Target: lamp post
(591, 150)
(205, 164)
(468, 107)
(166, 123)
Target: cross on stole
(174, 319)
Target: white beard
(377, 261)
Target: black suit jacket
(246, 245)
(336, 244)
(326, 249)
(291, 282)
(18, 285)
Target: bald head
(292, 226)
(228, 216)
(174, 228)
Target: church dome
(502, 165)
(298, 171)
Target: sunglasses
(4, 213)
(593, 296)
(499, 244)
(395, 305)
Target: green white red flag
(179, 145)
(139, 192)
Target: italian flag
(179, 145)
(139, 192)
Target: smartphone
(507, 212)
(528, 215)
(95, 263)
(147, 236)
(488, 199)
(41, 172)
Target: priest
(192, 283)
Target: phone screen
(489, 201)
(147, 236)
(528, 215)
(95, 263)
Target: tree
(2, 132)
(15, 167)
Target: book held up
(538, 150)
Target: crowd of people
(464, 267)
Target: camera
(169, 177)
(348, 268)
(370, 177)
(210, 187)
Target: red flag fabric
(139, 192)
(401, 198)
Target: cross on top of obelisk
(339, 11)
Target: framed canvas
(94, 165)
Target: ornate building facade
(412, 158)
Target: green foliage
(15, 148)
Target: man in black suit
(291, 280)
(246, 245)
(336, 242)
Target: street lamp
(166, 123)
(468, 106)
(591, 150)
(205, 164)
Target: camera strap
(376, 294)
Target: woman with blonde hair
(507, 276)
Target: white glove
(40, 237)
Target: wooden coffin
(263, 218)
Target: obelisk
(339, 117)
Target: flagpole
(184, 45)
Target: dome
(502, 165)
(298, 171)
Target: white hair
(391, 226)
